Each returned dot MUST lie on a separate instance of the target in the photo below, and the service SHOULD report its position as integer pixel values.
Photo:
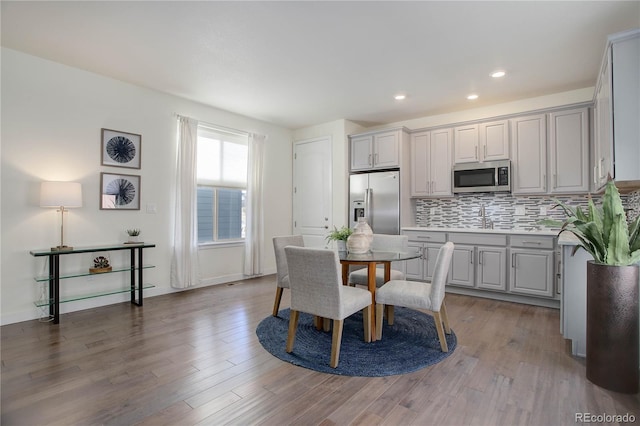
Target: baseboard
(506, 297)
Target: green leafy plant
(603, 231)
(339, 234)
(133, 232)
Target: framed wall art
(119, 192)
(121, 149)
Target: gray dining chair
(282, 272)
(419, 295)
(316, 288)
(382, 242)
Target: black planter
(612, 327)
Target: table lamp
(63, 196)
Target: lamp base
(62, 248)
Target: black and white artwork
(120, 149)
(119, 192)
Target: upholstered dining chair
(419, 295)
(282, 272)
(315, 280)
(382, 242)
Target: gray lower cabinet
(514, 267)
(492, 271)
(476, 264)
(428, 244)
(462, 266)
(532, 272)
(532, 269)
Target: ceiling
(300, 63)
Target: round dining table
(370, 260)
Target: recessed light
(400, 97)
(472, 97)
(498, 74)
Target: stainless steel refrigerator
(376, 196)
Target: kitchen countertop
(542, 232)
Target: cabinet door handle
(513, 260)
(425, 253)
(476, 152)
(370, 160)
(471, 258)
(532, 242)
(424, 237)
(485, 152)
(375, 159)
(480, 255)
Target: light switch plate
(543, 211)
(519, 211)
(432, 211)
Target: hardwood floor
(193, 358)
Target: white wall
(51, 120)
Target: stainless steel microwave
(491, 176)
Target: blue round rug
(409, 345)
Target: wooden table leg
(371, 281)
(387, 278)
(345, 273)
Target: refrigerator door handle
(367, 206)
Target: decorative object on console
(121, 149)
(119, 192)
(340, 236)
(134, 235)
(63, 196)
(100, 265)
(612, 289)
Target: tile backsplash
(506, 211)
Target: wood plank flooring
(193, 358)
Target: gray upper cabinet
(377, 150)
(431, 163)
(569, 151)
(466, 144)
(617, 127)
(494, 140)
(529, 154)
(481, 142)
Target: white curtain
(254, 238)
(184, 261)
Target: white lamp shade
(61, 194)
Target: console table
(54, 276)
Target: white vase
(363, 226)
(358, 243)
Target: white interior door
(312, 190)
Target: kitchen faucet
(486, 223)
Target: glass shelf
(41, 303)
(86, 273)
(89, 249)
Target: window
(222, 185)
